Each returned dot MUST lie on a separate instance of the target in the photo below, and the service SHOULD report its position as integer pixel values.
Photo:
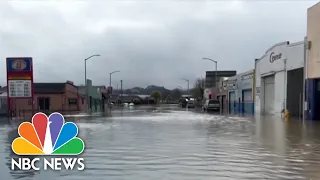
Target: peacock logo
(48, 136)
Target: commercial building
(222, 94)
(239, 91)
(97, 96)
(211, 76)
(312, 106)
(49, 97)
(279, 79)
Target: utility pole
(188, 84)
(121, 91)
(215, 74)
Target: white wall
(280, 92)
(294, 57)
(206, 93)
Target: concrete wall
(276, 61)
(313, 35)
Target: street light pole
(110, 77)
(121, 90)
(85, 79)
(216, 63)
(215, 83)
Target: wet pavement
(167, 142)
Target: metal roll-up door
(269, 94)
(247, 101)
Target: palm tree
(156, 95)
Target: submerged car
(211, 105)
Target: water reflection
(169, 143)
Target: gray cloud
(149, 42)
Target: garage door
(268, 94)
(232, 101)
(247, 101)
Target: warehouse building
(210, 91)
(240, 93)
(279, 79)
(312, 98)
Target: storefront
(240, 93)
(279, 79)
(222, 94)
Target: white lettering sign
(19, 88)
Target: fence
(244, 107)
(26, 114)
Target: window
(72, 101)
(82, 100)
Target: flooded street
(171, 143)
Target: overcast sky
(150, 42)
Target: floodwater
(169, 143)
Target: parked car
(211, 105)
(190, 104)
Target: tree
(198, 89)
(156, 95)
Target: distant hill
(174, 94)
(146, 91)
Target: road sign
(19, 88)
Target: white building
(279, 79)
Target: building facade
(212, 76)
(97, 97)
(222, 94)
(240, 93)
(49, 97)
(279, 79)
(312, 74)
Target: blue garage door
(247, 101)
(232, 101)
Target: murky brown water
(141, 144)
